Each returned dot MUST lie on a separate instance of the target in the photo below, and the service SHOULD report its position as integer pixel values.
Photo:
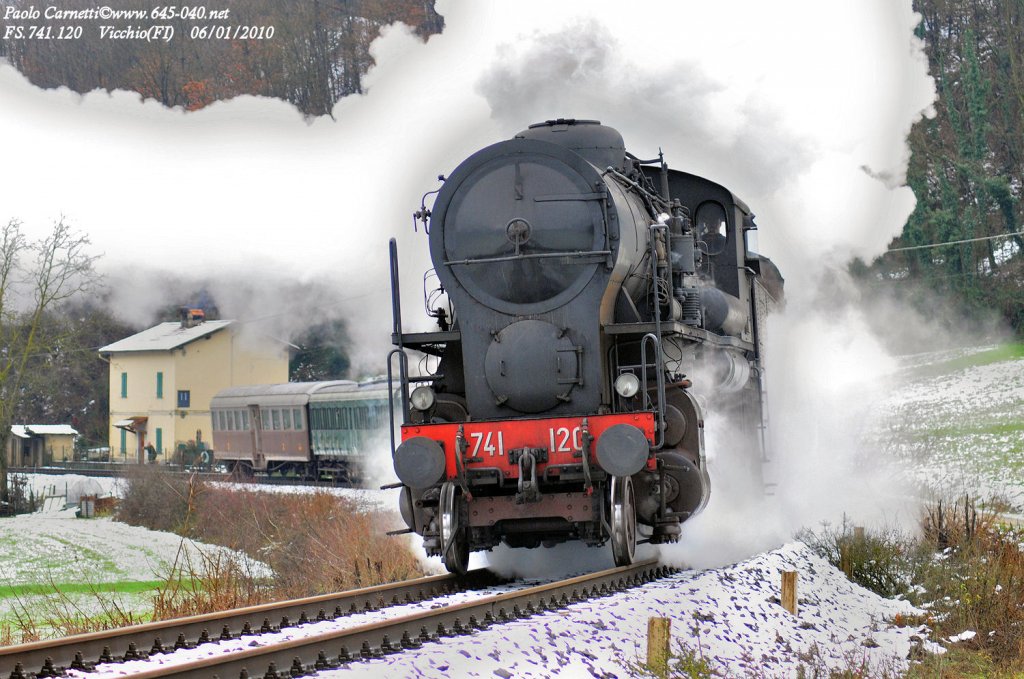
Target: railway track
(205, 476)
(304, 655)
(136, 642)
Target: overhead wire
(954, 242)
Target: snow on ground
(731, 616)
(960, 431)
(57, 547)
(53, 550)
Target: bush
(157, 500)
(314, 542)
(883, 562)
(967, 569)
(208, 582)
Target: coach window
(297, 418)
(245, 419)
(231, 420)
(276, 415)
(286, 418)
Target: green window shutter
(124, 385)
(159, 385)
(159, 440)
(124, 442)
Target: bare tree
(35, 276)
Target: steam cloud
(805, 122)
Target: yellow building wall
(141, 400)
(60, 447)
(202, 368)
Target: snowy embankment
(729, 616)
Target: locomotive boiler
(590, 306)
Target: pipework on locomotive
(590, 305)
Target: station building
(163, 379)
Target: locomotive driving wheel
(623, 520)
(454, 534)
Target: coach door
(258, 460)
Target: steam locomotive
(590, 306)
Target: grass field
(959, 424)
(54, 567)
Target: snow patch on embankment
(730, 616)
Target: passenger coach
(309, 429)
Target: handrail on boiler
(659, 430)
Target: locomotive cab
(588, 318)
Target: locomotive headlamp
(627, 385)
(422, 398)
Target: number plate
(488, 444)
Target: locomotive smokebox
(531, 239)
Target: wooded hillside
(967, 166)
(318, 53)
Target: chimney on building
(191, 317)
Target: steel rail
(178, 632)
(204, 476)
(301, 657)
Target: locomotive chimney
(598, 144)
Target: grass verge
(297, 545)
(1004, 352)
(123, 587)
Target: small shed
(39, 445)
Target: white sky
(785, 103)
